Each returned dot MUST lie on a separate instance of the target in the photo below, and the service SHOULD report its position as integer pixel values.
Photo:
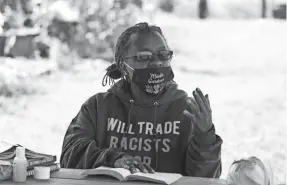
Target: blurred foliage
(63, 30)
(15, 87)
(93, 34)
(88, 27)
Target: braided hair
(122, 46)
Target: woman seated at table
(144, 121)
(251, 171)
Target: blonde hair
(251, 171)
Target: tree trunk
(264, 9)
(202, 9)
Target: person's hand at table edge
(132, 164)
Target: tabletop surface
(103, 180)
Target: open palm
(201, 114)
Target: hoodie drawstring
(130, 113)
(156, 150)
(126, 126)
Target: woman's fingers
(200, 102)
(192, 118)
(202, 97)
(193, 106)
(194, 103)
(207, 98)
(133, 165)
(130, 165)
(149, 169)
(140, 166)
(145, 168)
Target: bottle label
(20, 171)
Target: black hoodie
(111, 124)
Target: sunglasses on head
(149, 56)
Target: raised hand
(133, 164)
(200, 115)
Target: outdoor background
(231, 50)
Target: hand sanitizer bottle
(20, 164)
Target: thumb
(189, 116)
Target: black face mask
(152, 80)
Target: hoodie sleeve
(80, 150)
(203, 158)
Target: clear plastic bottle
(20, 164)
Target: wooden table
(101, 180)
(108, 181)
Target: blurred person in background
(144, 122)
(251, 171)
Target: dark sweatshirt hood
(170, 94)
